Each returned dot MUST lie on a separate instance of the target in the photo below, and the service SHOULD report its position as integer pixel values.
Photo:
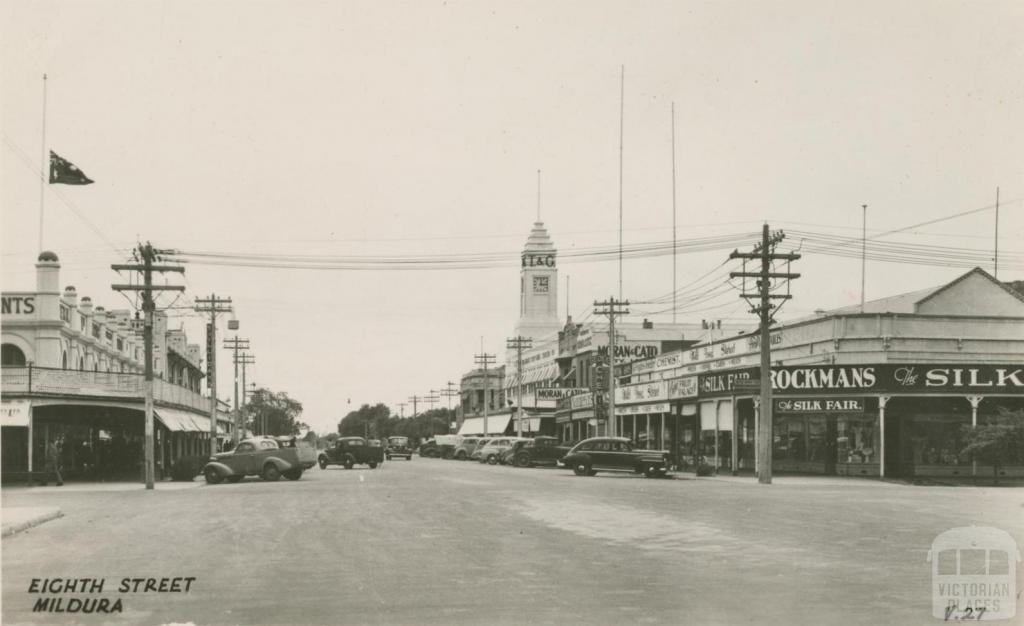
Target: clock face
(540, 284)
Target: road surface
(432, 541)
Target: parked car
(398, 447)
(614, 454)
(259, 457)
(349, 451)
(491, 451)
(540, 450)
(468, 446)
(440, 447)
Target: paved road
(431, 541)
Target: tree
(997, 444)
(367, 421)
(273, 413)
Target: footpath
(16, 519)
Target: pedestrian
(53, 462)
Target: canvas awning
(182, 421)
(496, 425)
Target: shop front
(900, 420)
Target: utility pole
(415, 402)
(212, 305)
(149, 254)
(433, 398)
(401, 410)
(518, 343)
(236, 344)
(449, 391)
(485, 359)
(244, 359)
(764, 252)
(611, 308)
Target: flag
(65, 172)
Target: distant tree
(276, 410)
(366, 421)
(997, 444)
(311, 438)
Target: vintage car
(540, 450)
(440, 447)
(468, 446)
(349, 451)
(491, 451)
(259, 457)
(614, 454)
(398, 447)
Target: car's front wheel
(373, 465)
(651, 471)
(322, 461)
(582, 468)
(522, 460)
(492, 460)
(213, 477)
(270, 472)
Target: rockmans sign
(18, 305)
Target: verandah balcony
(82, 383)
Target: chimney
(71, 296)
(648, 324)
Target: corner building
(887, 391)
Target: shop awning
(496, 425)
(181, 421)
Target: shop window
(936, 439)
(855, 440)
(789, 439)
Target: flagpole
(43, 170)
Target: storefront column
(31, 419)
(633, 420)
(717, 404)
(647, 443)
(757, 433)
(975, 401)
(881, 435)
(735, 437)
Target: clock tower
(538, 286)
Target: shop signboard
(581, 401)
(685, 387)
(723, 383)
(555, 393)
(15, 412)
(890, 377)
(652, 391)
(642, 409)
(818, 405)
(877, 378)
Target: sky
(414, 128)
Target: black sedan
(614, 454)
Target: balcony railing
(41, 380)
